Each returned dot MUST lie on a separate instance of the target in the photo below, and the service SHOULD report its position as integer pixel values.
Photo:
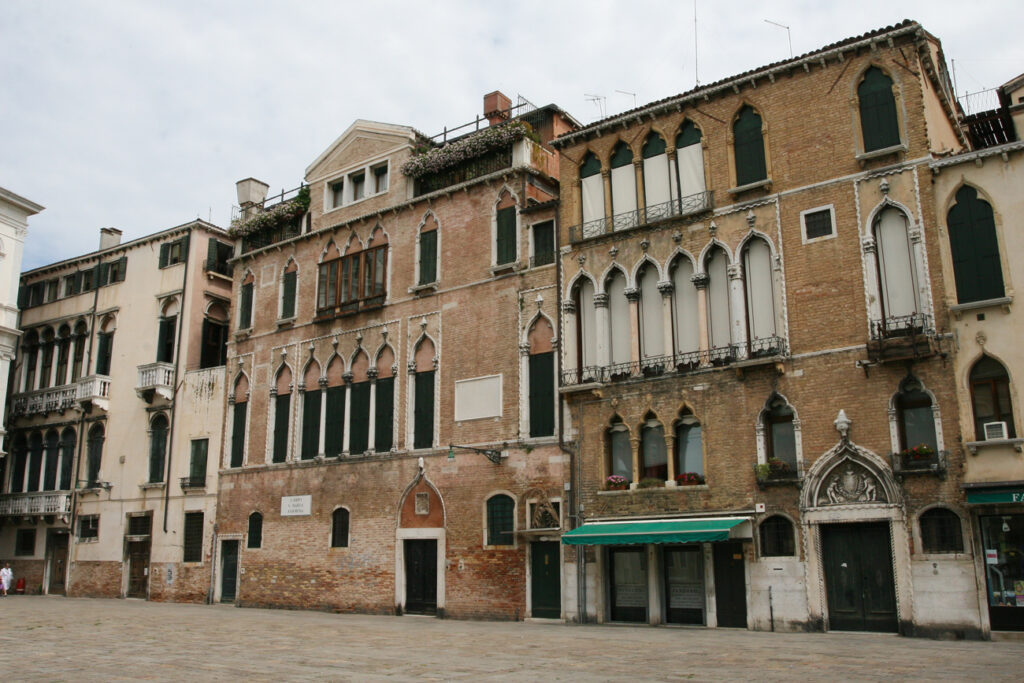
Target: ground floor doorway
(683, 571)
(859, 582)
(730, 585)
(57, 562)
(228, 571)
(420, 576)
(138, 569)
(1002, 539)
(627, 582)
(545, 580)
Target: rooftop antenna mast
(599, 102)
(629, 93)
(788, 34)
(696, 72)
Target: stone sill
(876, 153)
(975, 446)
(740, 189)
(1003, 301)
(669, 486)
(151, 485)
(427, 288)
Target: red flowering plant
(921, 451)
(616, 482)
(689, 479)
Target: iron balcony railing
(193, 483)
(678, 363)
(59, 398)
(901, 326)
(486, 164)
(41, 503)
(214, 265)
(544, 258)
(683, 206)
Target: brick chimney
(109, 238)
(251, 192)
(496, 106)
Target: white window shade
(656, 180)
(588, 324)
(651, 316)
(896, 265)
(684, 299)
(690, 163)
(478, 398)
(593, 198)
(619, 335)
(623, 189)
(757, 267)
(718, 301)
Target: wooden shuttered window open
(384, 410)
(506, 236)
(310, 424)
(542, 394)
(423, 419)
(282, 415)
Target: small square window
(818, 224)
(88, 527)
(25, 542)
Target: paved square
(68, 639)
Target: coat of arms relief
(850, 483)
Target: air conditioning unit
(994, 430)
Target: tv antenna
(788, 34)
(633, 94)
(599, 101)
(696, 73)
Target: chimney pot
(109, 238)
(496, 107)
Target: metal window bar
(682, 206)
(544, 258)
(901, 326)
(193, 482)
(767, 346)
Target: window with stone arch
(990, 399)
(158, 428)
(30, 357)
(719, 312)
(618, 450)
(941, 531)
(685, 313)
(94, 455)
(618, 330)
(334, 425)
(748, 147)
(245, 301)
(424, 370)
(657, 185)
(239, 418)
(340, 528)
(68, 441)
(689, 445)
(777, 537)
(879, 123)
(289, 290)
(282, 405)
(359, 408)
(63, 354)
(540, 377)
(584, 310)
(506, 242)
(690, 166)
(329, 273)
(896, 272)
(623, 180)
(501, 520)
(651, 312)
(254, 539)
(759, 296)
(915, 419)
(974, 246)
(591, 194)
(80, 337)
(46, 364)
(427, 253)
(384, 401)
(653, 454)
(312, 396)
(779, 441)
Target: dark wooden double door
(420, 576)
(858, 577)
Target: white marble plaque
(294, 506)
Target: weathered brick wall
(95, 580)
(187, 582)
(30, 570)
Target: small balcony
(902, 338)
(919, 460)
(92, 389)
(37, 503)
(684, 206)
(156, 380)
(193, 484)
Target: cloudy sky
(142, 115)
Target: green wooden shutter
(543, 243)
(878, 120)
(282, 414)
(653, 146)
(184, 248)
(310, 424)
(103, 344)
(334, 430)
(506, 235)
(122, 268)
(288, 294)
(103, 274)
(359, 419)
(423, 419)
(542, 394)
(590, 166)
(384, 417)
(245, 308)
(197, 464)
(975, 249)
(428, 257)
(212, 249)
(165, 250)
(206, 351)
(23, 297)
(76, 283)
(157, 450)
(238, 435)
(749, 148)
(689, 135)
(165, 340)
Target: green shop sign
(1014, 495)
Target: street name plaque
(294, 506)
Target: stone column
(700, 282)
(348, 410)
(601, 329)
(633, 301)
(322, 439)
(371, 434)
(738, 304)
(666, 288)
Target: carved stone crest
(850, 484)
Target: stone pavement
(70, 639)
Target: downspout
(77, 470)
(174, 378)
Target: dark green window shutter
(749, 148)
(67, 448)
(500, 510)
(77, 283)
(165, 340)
(255, 535)
(428, 257)
(122, 268)
(245, 307)
(157, 449)
(689, 135)
(334, 430)
(211, 253)
(542, 394)
(423, 418)
(310, 424)
(197, 464)
(384, 415)
(288, 294)
(104, 342)
(621, 156)
(165, 250)
(238, 434)
(184, 248)
(23, 297)
(975, 248)
(878, 120)
(506, 235)
(543, 243)
(193, 541)
(359, 419)
(653, 146)
(103, 275)
(590, 166)
(282, 414)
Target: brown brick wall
(95, 580)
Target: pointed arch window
(878, 120)
(334, 429)
(689, 446)
(915, 417)
(52, 464)
(384, 402)
(652, 315)
(586, 327)
(653, 455)
(897, 271)
(311, 398)
(759, 291)
(623, 185)
(780, 433)
(685, 315)
(245, 302)
(506, 244)
(619, 332)
(30, 350)
(423, 396)
(657, 190)
(289, 286)
(990, 397)
(977, 267)
(94, 449)
(748, 143)
(67, 456)
(719, 313)
(35, 461)
(619, 451)
(46, 365)
(238, 419)
(592, 193)
(282, 415)
(19, 457)
(359, 410)
(689, 163)
(541, 378)
(157, 448)
(63, 355)
(428, 252)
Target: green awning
(996, 495)
(702, 530)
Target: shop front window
(1003, 544)
(628, 584)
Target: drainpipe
(174, 378)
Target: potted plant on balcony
(616, 482)
(689, 479)
(651, 483)
(773, 469)
(917, 456)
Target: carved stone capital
(632, 294)
(700, 280)
(867, 244)
(372, 373)
(569, 306)
(601, 300)
(524, 349)
(735, 271)
(666, 288)
(348, 377)
(322, 382)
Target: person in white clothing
(5, 578)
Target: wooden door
(730, 585)
(858, 577)
(58, 564)
(421, 576)
(229, 571)
(138, 569)
(545, 580)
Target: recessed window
(88, 527)
(337, 193)
(777, 537)
(358, 181)
(339, 528)
(941, 532)
(172, 253)
(818, 223)
(380, 178)
(255, 536)
(543, 243)
(193, 544)
(500, 520)
(25, 542)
